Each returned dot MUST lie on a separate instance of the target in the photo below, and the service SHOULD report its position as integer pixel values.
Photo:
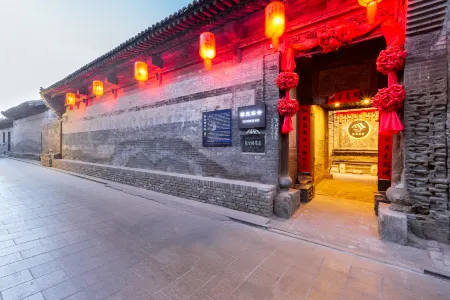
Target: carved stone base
(392, 225)
(286, 203)
(399, 199)
(398, 195)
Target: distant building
(6, 135)
(29, 119)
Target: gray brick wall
(426, 114)
(239, 195)
(159, 128)
(27, 134)
(51, 136)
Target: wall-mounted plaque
(254, 143)
(216, 128)
(358, 129)
(253, 116)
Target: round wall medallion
(359, 129)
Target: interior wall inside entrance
(319, 120)
(345, 155)
(353, 142)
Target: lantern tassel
(208, 63)
(275, 43)
(372, 11)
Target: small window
(4, 140)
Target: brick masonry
(160, 128)
(51, 136)
(28, 134)
(239, 195)
(144, 130)
(427, 133)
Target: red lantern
(97, 88)
(275, 22)
(71, 99)
(141, 71)
(371, 9)
(207, 48)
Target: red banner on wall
(384, 157)
(345, 97)
(304, 139)
(357, 112)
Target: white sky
(42, 41)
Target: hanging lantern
(207, 48)
(275, 22)
(71, 99)
(97, 88)
(371, 9)
(141, 71)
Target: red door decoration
(388, 101)
(333, 37)
(330, 39)
(390, 61)
(286, 81)
(304, 150)
(345, 97)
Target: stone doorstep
(442, 274)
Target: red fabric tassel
(287, 125)
(393, 32)
(287, 108)
(392, 78)
(390, 123)
(287, 59)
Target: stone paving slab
(146, 250)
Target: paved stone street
(336, 218)
(63, 237)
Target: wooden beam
(112, 78)
(157, 61)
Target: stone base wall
(25, 155)
(239, 195)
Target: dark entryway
(9, 140)
(334, 96)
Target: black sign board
(359, 129)
(253, 116)
(216, 128)
(254, 143)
